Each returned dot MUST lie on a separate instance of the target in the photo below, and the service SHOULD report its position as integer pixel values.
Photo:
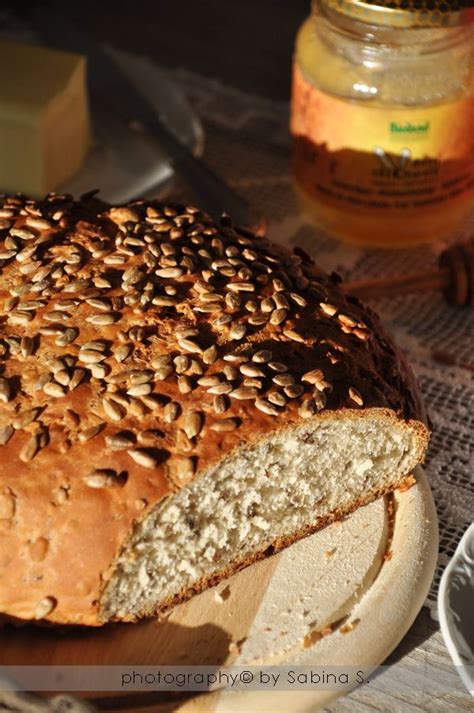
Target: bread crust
(131, 277)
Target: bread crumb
(407, 484)
(236, 646)
(329, 553)
(223, 595)
(350, 626)
(388, 555)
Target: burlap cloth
(247, 143)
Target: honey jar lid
(406, 13)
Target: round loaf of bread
(178, 398)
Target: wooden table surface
(248, 44)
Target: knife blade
(116, 94)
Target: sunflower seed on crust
(88, 433)
(266, 407)
(193, 423)
(44, 608)
(225, 425)
(5, 434)
(355, 396)
(143, 458)
(244, 393)
(181, 469)
(113, 410)
(103, 478)
(5, 390)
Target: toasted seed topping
(5, 434)
(150, 437)
(266, 407)
(27, 346)
(244, 393)
(308, 408)
(101, 304)
(103, 478)
(193, 423)
(119, 441)
(277, 398)
(278, 316)
(140, 390)
(184, 384)
(20, 317)
(238, 331)
(169, 272)
(30, 449)
(346, 320)
(181, 363)
(222, 388)
(122, 352)
(54, 389)
(298, 299)
(90, 356)
(45, 607)
(231, 373)
(241, 286)
(320, 399)
(293, 335)
(160, 361)
(210, 355)
(283, 379)
(102, 319)
(143, 458)
(182, 469)
(225, 425)
(189, 346)
(163, 373)
(328, 309)
(112, 410)
(25, 418)
(5, 390)
(171, 411)
(219, 404)
(278, 366)
(95, 345)
(313, 377)
(262, 356)
(67, 337)
(77, 378)
(355, 396)
(250, 370)
(90, 432)
(209, 380)
(293, 391)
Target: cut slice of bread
(257, 500)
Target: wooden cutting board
(327, 600)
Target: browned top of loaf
(139, 343)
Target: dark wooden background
(244, 43)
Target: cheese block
(44, 117)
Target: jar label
(381, 158)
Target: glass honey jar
(382, 118)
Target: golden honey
(382, 119)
